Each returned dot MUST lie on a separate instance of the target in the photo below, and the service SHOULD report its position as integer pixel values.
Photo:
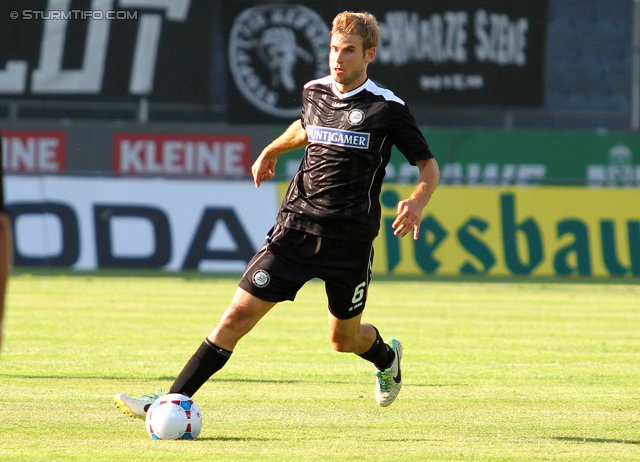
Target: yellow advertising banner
(531, 231)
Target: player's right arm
(264, 168)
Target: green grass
(492, 371)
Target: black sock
(380, 354)
(206, 361)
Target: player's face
(348, 61)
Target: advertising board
(534, 231)
(91, 223)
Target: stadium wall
(88, 223)
(547, 231)
(179, 196)
(218, 151)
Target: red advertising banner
(33, 151)
(180, 154)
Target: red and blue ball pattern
(174, 417)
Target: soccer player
(6, 246)
(330, 215)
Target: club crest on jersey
(336, 137)
(356, 116)
(273, 50)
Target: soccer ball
(174, 417)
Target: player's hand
(408, 219)
(263, 170)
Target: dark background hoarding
(66, 49)
(252, 58)
(442, 52)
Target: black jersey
(335, 192)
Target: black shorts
(289, 258)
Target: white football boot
(389, 381)
(135, 407)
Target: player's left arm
(410, 209)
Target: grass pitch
(491, 371)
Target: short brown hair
(363, 25)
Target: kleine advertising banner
(445, 52)
(169, 154)
(35, 151)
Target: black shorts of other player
(289, 258)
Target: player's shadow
(579, 439)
